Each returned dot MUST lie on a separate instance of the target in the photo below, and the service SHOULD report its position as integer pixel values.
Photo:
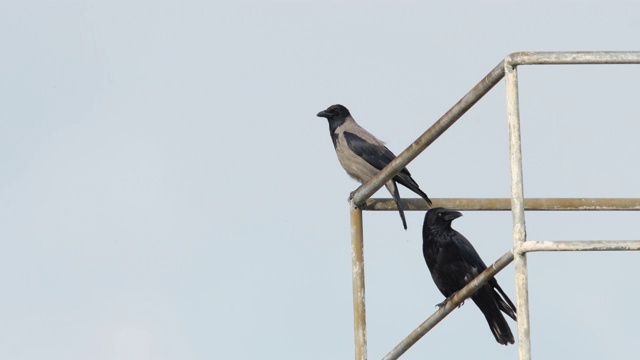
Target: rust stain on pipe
(504, 204)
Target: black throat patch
(334, 124)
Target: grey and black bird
(362, 155)
(453, 263)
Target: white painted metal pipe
(573, 57)
(517, 211)
(610, 245)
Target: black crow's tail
(500, 328)
(393, 189)
(407, 181)
(497, 323)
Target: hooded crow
(362, 155)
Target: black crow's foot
(443, 302)
(447, 299)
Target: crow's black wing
(376, 155)
(379, 157)
(468, 252)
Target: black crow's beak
(450, 215)
(324, 114)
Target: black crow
(362, 155)
(453, 263)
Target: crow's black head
(440, 217)
(335, 113)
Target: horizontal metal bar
(504, 204)
(576, 57)
(611, 245)
(449, 306)
(429, 136)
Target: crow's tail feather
(408, 182)
(500, 329)
(393, 189)
(485, 300)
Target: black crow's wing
(504, 303)
(379, 157)
(468, 252)
(404, 178)
(376, 155)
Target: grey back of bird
(353, 164)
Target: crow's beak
(324, 114)
(450, 215)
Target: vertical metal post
(517, 211)
(357, 275)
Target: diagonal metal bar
(476, 93)
(449, 306)
(504, 204)
(491, 271)
(449, 118)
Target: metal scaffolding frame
(517, 203)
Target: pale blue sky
(167, 192)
